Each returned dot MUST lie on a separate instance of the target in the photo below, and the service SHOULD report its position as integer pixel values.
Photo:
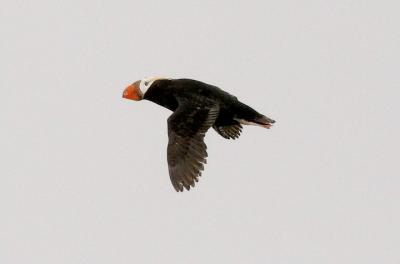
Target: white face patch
(145, 83)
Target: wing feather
(229, 132)
(187, 152)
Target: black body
(197, 106)
(167, 93)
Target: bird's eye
(146, 83)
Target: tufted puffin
(196, 107)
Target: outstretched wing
(229, 132)
(186, 152)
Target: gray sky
(84, 175)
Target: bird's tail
(248, 116)
(264, 121)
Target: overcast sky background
(84, 175)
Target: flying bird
(196, 106)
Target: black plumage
(197, 106)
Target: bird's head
(137, 90)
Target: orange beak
(133, 92)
